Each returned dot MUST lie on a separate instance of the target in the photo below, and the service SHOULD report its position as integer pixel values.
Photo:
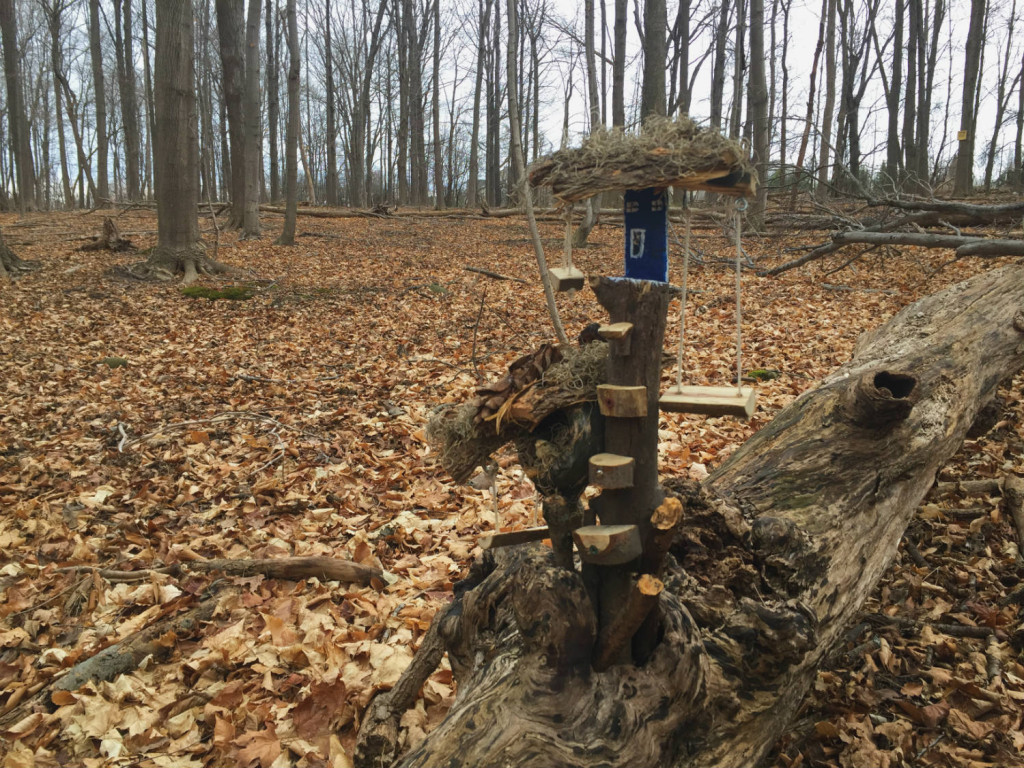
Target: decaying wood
(773, 561)
(110, 239)
(155, 640)
(294, 568)
(1013, 503)
(290, 568)
(618, 635)
(10, 263)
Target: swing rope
(682, 307)
(567, 251)
(741, 206)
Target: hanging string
(682, 306)
(567, 253)
(741, 206)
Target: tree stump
(110, 239)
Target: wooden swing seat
(710, 401)
(567, 278)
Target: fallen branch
(126, 655)
(288, 568)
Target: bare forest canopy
(404, 102)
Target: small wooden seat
(512, 538)
(567, 278)
(608, 544)
(710, 401)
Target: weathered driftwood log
(774, 557)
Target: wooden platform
(710, 401)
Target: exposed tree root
(164, 264)
(11, 264)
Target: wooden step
(608, 544)
(623, 402)
(710, 401)
(567, 278)
(510, 538)
(609, 470)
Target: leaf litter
(292, 425)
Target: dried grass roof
(666, 153)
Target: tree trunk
(292, 137)
(893, 151)
(484, 10)
(230, 19)
(100, 96)
(273, 111)
(147, 80)
(758, 111)
(619, 65)
(129, 100)
(652, 94)
(252, 156)
(828, 107)
(20, 139)
(797, 527)
(331, 186)
(963, 183)
(718, 65)
(1004, 90)
(436, 112)
(176, 149)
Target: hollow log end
(879, 399)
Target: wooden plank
(608, 544)
(710, 401)
(511, 538)
(615, 330)
(567, 278)
(623, 402)
(609, 470)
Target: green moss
(114, 362)
(763, 374)
(230, 292)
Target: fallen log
(775, 557)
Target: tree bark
(252, 156)
(963, 182)
(758, 112)
(472, 193)
(292, 136)
(176, 149)
(129, 100)
(230, 15)
(652, 94)
(796, 528)
(619, 65)
(100, 96)
(273, 112)
(17, 120)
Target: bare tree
(273, 111)
(963, 182)
(230, 18)
(21, 146)
(129, 101)
(179, 249)
(253, 136)
(758, 109)
(1004, 89)
(652, 94)
(484, 13)
(292, 134)
(331, 187)
(100, 96)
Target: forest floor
(142, 429)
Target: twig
(495, 275)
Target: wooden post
(643, 304)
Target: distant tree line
(404, 101)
